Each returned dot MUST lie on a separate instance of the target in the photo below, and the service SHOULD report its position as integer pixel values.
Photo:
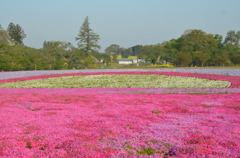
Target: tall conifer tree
(87, 39)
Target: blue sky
(124, 22)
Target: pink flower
(102, 122)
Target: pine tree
(87, 39)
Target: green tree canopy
(183, 59)
(233, 38)
(16, 33)
(150, 53)
(201, 58)
(5, 38)
(235, 58)
(113, 48)
(87, 39)
(106, 59)
(197, 40)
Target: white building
(135, 61)
(125, 61)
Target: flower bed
(115, 122)
(104, 125)
(18, 74)
(235, 80)
(118, 81)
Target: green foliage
(87, 39)
(150, 53)
(202, 49)
(15, 58)
(113, 48)
(54, 55)
(232, 38)
(235, 58)
(5, 38)
(201, 58)
(183, 59)
(107, 59)
(115, 57)
(16, 33)
(154, 141)
(156, 112)
(28, 145)
(88, 60)
(194, 48)
(147, 151)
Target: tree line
(54, 55)
(193, 48)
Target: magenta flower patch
(120, 122)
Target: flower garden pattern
(121, 122)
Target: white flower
(119, 81)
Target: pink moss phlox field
(235, 80)
(105, 125)
(113, 122)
